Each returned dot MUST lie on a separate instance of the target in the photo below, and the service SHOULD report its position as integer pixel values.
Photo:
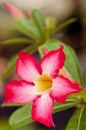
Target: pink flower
(40, 84)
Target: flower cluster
(41, 84)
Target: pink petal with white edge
(53, 61)
(42, 110)
(19, 92)
(62, 87)
(27, 68)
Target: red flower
(40, 84)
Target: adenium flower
(40, 84)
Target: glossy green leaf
(65, 24)
(75, 71)
(38, 18)
(78, 120)
(17, 41)
(27, 27)
(61, 107)
(71, 63)
(39, 21)
(21, 117)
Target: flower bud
(16, 13)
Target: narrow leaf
(61, 107)
(66, 23)
(38, 18)
(17, 41)
(28, 28)
(78, 120)
(21, 117)
(10, 67)
(39, 21)
(68, 64)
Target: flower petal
(62, 87)
(42, 110)
(27, 68)
(53, 61)
(19, 92)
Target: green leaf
(71, 63)
(21, 117)
(75, 71)
(17, 41)
(81, 96)
(65, 24)
(39, 21)
(61, 107)
(27, 27)
(11, 66)
(50, 22)
(50, 27)
(78, 120)
(38, 18)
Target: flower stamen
(43, 83)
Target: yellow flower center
(43, 83)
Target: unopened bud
(16, 13)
